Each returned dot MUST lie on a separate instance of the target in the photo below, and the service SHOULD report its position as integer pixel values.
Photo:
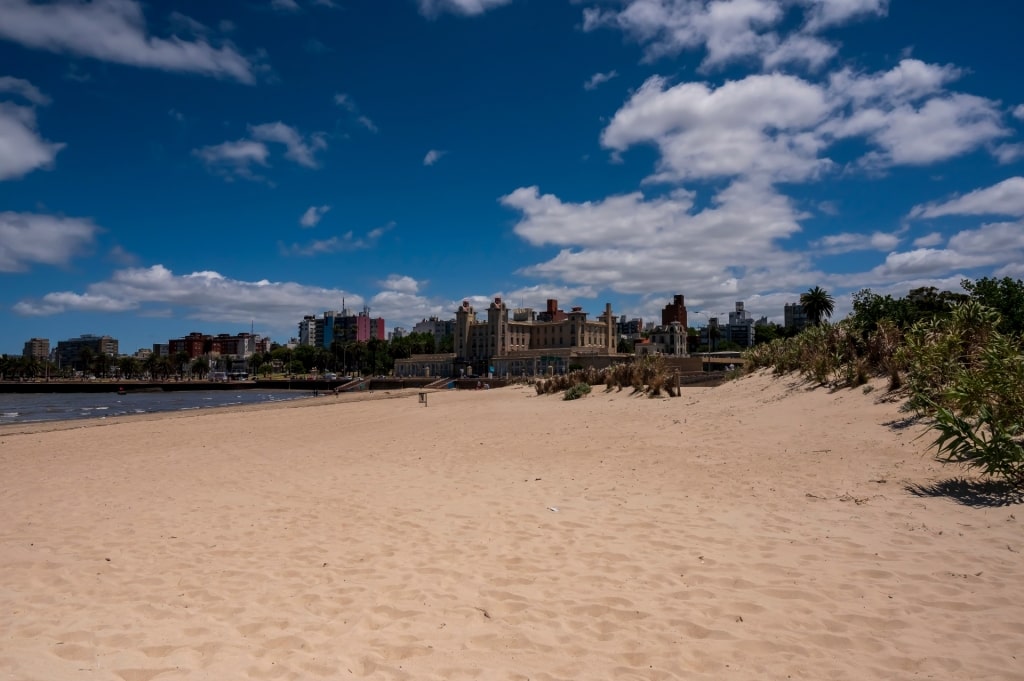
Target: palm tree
(101, 364)
(200, 367)
(181, 361)
(85, 358)
(152, 365)
(129, 366)
(817, 303)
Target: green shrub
(577, 391)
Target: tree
(200, 367)
(1005, 296)
(817, 303)
(255, 361)
(128, 366)
(181, 360)
(151, 365)
(101, 364)
(85, 358)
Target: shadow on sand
(977, 493)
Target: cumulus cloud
(597, 79)
(822, 14)
(1018, 112)
(208, 296)
(313, 215)
(1004, 198)
(995, 246)
(400, 283)
(732, 30)
(536, 296)
(433, 8)
(778, 127)
(633, 244)
(942, 128)
(929, 240)
(848, 242)
(115, 31)
(237, 158)
(433, 156)
(762, 125)
(28, 239)
(22, 149)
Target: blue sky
(212, 166)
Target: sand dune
(760, 530)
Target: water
(16, 408)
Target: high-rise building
(70, 352)
(37, 348)
(438, 328)
(794, 316)
(674, 312)
(342, 327)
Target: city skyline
(227, 168)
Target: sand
(759, 530)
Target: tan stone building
(518, 344)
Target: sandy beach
(759, 530)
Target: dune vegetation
(956, 359)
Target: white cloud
(433, 8)
(347, 242)
(943, 128)
(285, 5)
(994, 240)
(1008, 153)
(1004, 198)
(996, 245)
(732, 30)
(536, 296)
(810, 51)
(367, 123)
(115, 31)
(729, 30)
(825, 13)
(910, 80)
(297, 148)
(848, 242)
(632, 244)
(1018, 112)
(777, 127)
(24, 89)
(400, 283)
(27, 239)
(929, 240)
(761, 125)
(208, 296)
(598, 78)
(346, 102)
(234, 158)
(924, 262)
(237, 158)
(433, 156)
(22, 150)
(313, 215)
